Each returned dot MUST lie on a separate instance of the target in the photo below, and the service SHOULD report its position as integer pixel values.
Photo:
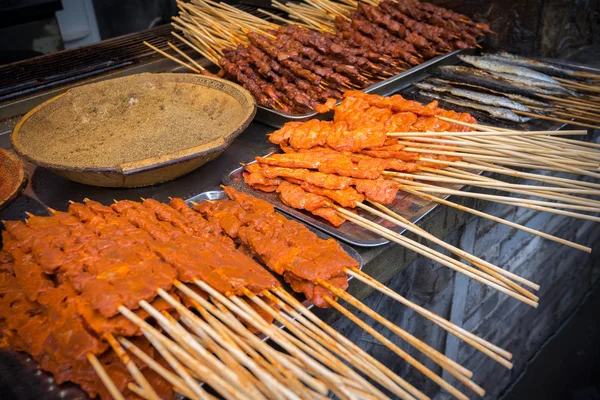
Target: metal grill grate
(53, 70)
(67, 66)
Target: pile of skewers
(514, 90)
(377, 146)
(74, 290)
(329, 48)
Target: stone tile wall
(565, 275)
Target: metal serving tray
(386, 87)
(409, 206)
(24, 369)
(220, 195)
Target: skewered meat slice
(327, 181)
(346, 198)
(379, 190)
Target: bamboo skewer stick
(131, 367)
(423, 187)
(483, 166)
(456, 330)
(393, 217)
(356, 359)
(187, 342)
(499, 185)
(442, 383)
(190, 59)
(170, 377)
(331, 363)
(105, 378)
(185, 374)
(138, 390)
(256, 343)
(485, 133)
(220, 312)
(178, 61)
(394, 328)
(494, 152)
(499, 220)
(316, 368)
(438, 257)
(296, 329)
(350, 345)
(215, 381)
(538, 116)
(536, 192)
(198, 326)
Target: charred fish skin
(503, 67)
(497, 101)
(531, 63)
(497, 112)
(516, 97)
(534, 82)
(487, 80)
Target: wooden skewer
(138, 390)
(323, 352)
(426, 371)
(423, 187)
(131, 367)
(449, 365)
(395, 218)
(574, 103)
(253, 343)
(499, 220)
(355, 359)
(178, 61)
(169, 376)
(255, 320)
(253, 385)
(477, 127)
(432, 254)
(187, 341)
(105, 378)
(199, 326)
(566, 121)
(190, 59)
(319, 356)
(486, 133)
(354, 349)
(456, 330)
(526, 189)
(539, 192)
(219, 311)
(483, 166)
(214, 380)
(577, 143)
(494, 152)
(187, 42)
(576, 116)
(582, 88)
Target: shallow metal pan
(409, 206)
(24, 369)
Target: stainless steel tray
(220, 195)
(409, 206)
(25, 370)
(391, 85)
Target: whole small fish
(504, 67)
(498, 101)
(486, 79)
(531, 63)
(535, 82)
(515, 97)
(497, 112)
